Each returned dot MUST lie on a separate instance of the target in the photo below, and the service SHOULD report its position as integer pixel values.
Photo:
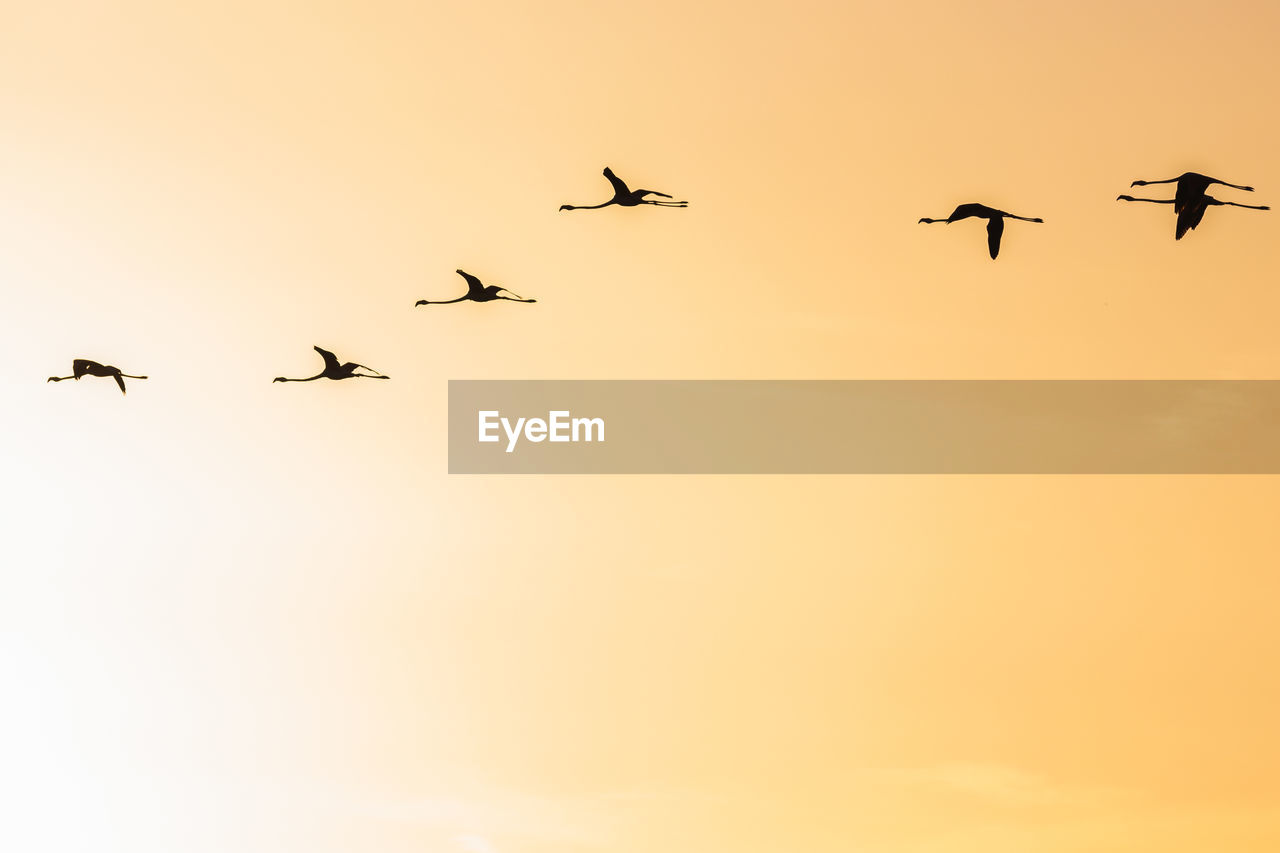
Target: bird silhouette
(83, 366)
(334, 370)
(625, 196)
(995, 222)
(1191, 185)
(1193, 209)
(477, 292)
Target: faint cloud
(479, 820)
(663, 795)
(484, 819)
(999, 784)
(475, 843)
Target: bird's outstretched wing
(474, 285)
(1184, 197)
(120, 382)
(330, 360)
(1190, 216)
(619, 186)
(995, 227)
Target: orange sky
(255, 617)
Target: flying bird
(334, 370)
(995, 222)
(1192, 212)
(477, 292)
(83, 366)
(1191, 185)
(625, 196)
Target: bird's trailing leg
(1250, 206)
(663, 203)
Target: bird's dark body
(333, 369)
(1191, 187)
(995, 222)
(88, 367)
(1190, 201)
(624, 196)
(1193, 212)
(477, 292)
(964, 211)
(82, 366)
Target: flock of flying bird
(1190, 202)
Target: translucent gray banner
(864, 427)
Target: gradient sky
(254, 617)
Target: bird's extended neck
(442, 301)
(588, 206)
